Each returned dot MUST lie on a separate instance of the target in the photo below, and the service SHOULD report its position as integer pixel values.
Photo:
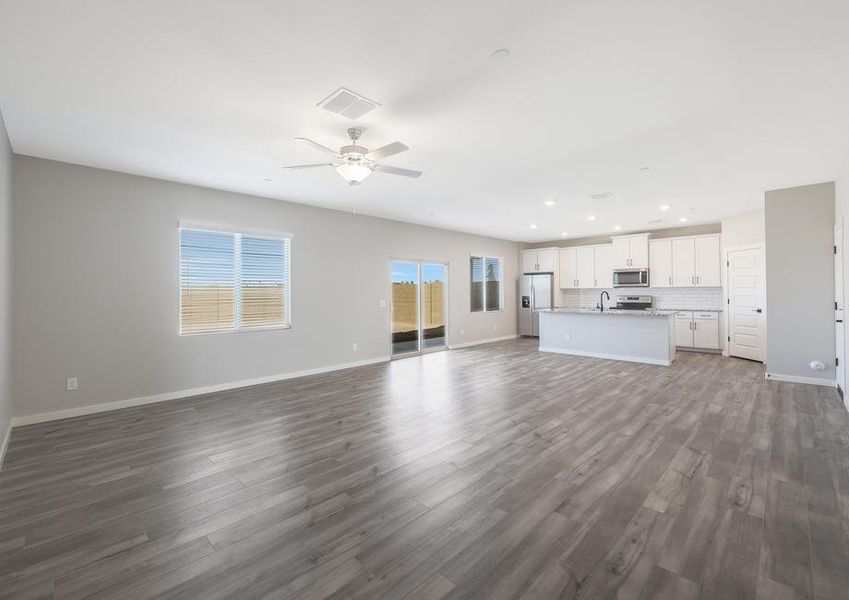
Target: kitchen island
(645, 336)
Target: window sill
(232, 331)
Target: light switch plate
(73, 384)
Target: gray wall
(95, 287)
(5, 282)
(799, 228)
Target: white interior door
(746, 310)
(839, 331)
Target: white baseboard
(176, 395)
(5, 444)
(800, 379)
(648, 361)
(479, 342)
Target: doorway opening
(419, 306)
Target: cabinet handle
(693, 279)
(595, 282)
(670, 281)
(698, 279)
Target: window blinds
(485, 284)
(233, 281)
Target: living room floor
(488, 472)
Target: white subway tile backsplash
(664, 298)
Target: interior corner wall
(5, 286)
(799, 233)
(96, 297)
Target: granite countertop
(653, 312)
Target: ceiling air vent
(603, 196)
(347, 103)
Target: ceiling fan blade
(308, 166)
(317, 146)
(387, 150)
(397, 171)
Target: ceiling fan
(354, 163)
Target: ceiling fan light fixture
(353, 172)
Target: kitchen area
(639, 297)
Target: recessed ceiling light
(564, 234)
(591, 218)
(683, 219)
(549, 202)
(500, 54)
(617, 227)
(645, 168)
(533, 225)
(664, 207)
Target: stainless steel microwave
(631, 278)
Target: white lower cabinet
(695, 329)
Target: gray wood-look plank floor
(490, 472)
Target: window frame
(501, 298)
(287, 239)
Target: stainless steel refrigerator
(535, 293)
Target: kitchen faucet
(601, 299)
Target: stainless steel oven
(631, 278)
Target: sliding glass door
(419, 306)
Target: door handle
(839, 320)
(757, 310)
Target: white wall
(745, 229)
(841, 214)
(5, 285)
(799, 237)
(95, 287)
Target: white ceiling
(722, 99)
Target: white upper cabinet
(547, 260)
(604, 266)
(631, 251)
(529, 261)
(683, 262)
(660, 263)
(541, 260)
(708, 261)
(621, 253)
(695, 262)
(568, 268)
(586, 267)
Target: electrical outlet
(567, 337)
(73, 384)
(354, 347)
(382, 303)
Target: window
(233, 281)
(486, 284)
